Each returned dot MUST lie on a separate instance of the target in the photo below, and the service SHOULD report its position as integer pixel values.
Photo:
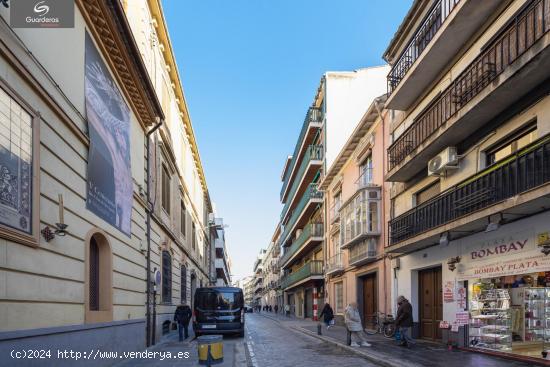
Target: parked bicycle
(383, 324)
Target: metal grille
(94, 275)
(183, 280)
(166, 277)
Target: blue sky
(250, 69)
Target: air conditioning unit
(447, 159)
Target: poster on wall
(109, 186)
(449, 291)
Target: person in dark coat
(276, 308)
(404, 320)
(328, 315)
(182, 316)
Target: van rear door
(218, 306)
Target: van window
(219, 300)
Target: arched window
(183, 283)
(166, 277)
(99, 278)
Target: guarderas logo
(41, 9)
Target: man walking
(182, 316)
(404, 321)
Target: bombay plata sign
(507, 255)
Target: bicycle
(383, 324)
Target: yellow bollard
(210, 349)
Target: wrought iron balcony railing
(313, 153)
(516, 38)
(420, 41)
(310, 230)
(311, 193)
(334, 264)
(314, 115)
(517, 174)
(309, 269)
(362, 252)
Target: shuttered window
(166, 277)
(183, 281)
(183, 218)
(428, 192)
(165, 189)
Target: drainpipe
(379, 112)
(148, 233)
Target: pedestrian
(354, 326)
(328, 315)
(276, 308)
(287, 310)
(404, 321)
(270, 308)
(182, 316)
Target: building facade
(356, 268)
(468, 162)
(221, 261)
(72, 207)
(181, 248)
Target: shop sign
(502, 256)
(449, 291)
(462, 318)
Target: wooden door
(431, 303)
(370, 299)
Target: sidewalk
(386, 352)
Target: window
(166, 277)
(182, 218)
(194, 237)
(360, 216)
(339, 297)
(94, 275)
(183, 283)
(365, 172)
(428, 192)
(98, 278)
(17, 168)
(512, 145)
(165, 189)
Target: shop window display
(511, 314)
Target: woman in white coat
(354, 326)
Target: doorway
(370, 300)
(431, 303)
(308, 303)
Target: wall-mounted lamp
(60, 228)
(493, 226)
(452, 262)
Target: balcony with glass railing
(312, 123)
(335, 264)
(362, 252)
(311, 235)
(488, 86)
(446, 27)
(311, 198)
(310, 165)
(310, 270)
(360, 217)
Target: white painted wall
(347, 97)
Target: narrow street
(270, 344)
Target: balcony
(335, 211)
(363, 252)
(508, 69)
(365, 180)
(360, 217)
(334, 265)
(446, 28)
(312, 123)
(512, 184)
(311, 235)
(311, 163)
(309, 201)
(310, 270)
